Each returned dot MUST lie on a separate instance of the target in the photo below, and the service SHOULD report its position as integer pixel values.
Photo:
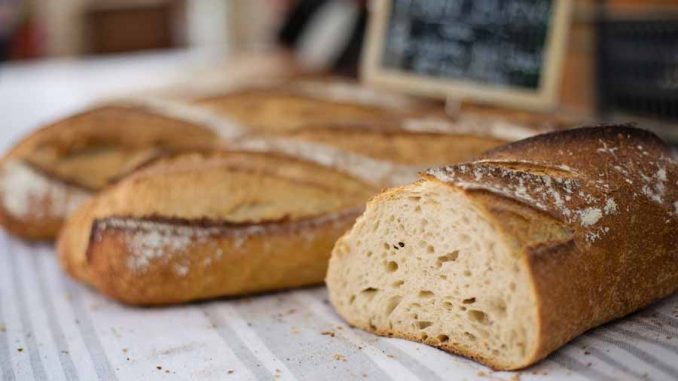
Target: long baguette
(506, 258)
(203, 225)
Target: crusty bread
(197, 226)
(506, 258)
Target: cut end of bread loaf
(425, 264)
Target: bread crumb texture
(426, 265)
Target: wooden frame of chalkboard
(403, 57)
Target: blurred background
(622, 55)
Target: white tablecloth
(53, 328)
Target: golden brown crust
(401, 147)
(134, 134)
(211, 260)
(34, 229)
(197, 226)
(72, 240)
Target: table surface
(53, 328)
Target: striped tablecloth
(53, 328)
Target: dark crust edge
(205, 222)
(588, 132)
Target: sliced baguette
(506, 258)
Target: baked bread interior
(426, 264)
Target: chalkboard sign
(493, 51)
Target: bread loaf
(506, 258)
(197, 226)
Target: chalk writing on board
(495, 42)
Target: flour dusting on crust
(470, 125)
(345, 92)
(610, 206)
(590, 216)
(577, 182)
(27, 193)
(222, 126)
(149, 241)
(370, 170)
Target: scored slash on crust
(155, 237)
